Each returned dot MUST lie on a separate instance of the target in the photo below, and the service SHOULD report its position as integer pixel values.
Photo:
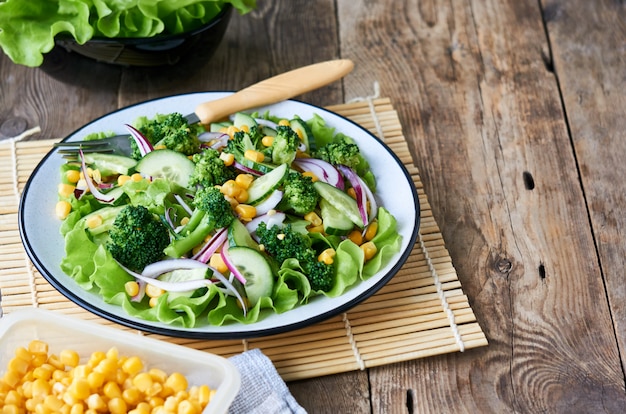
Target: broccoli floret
(243, 141)
(299, 195)
(284, 145)
(284, 242)
(171, 131)
(137, 238)
(342, 151)
(211, 211)
(210, 170)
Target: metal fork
(117, 145)
(275, 89)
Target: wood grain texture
(514, 111)
(589, 50)
(486, 119)
(60, 96)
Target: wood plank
(588, 41)
(485, 116)
(66, 92)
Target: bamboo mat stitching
(370, 103)
(352, 341)
(440, 290)
(16, 191)
(442, 294)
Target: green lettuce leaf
(28, 28)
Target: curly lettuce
(28, 28)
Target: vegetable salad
(223, 223)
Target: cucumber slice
(109, 164)
(238, 235)
(265, 184)
(340, 200)
(240, 119)
(166, 163)
(335, 221)
(304, 132)
(181, 275)
(217, 126)
(257, 271)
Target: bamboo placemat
(422, 311)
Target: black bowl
(157, 50)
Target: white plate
(39, 227)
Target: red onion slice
(231, 266)
(142, 142)
(103, 198)
(357, 184)
(323, 170)
(245, 169)
(211, 246)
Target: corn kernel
(313, 218)
(153, 291)
(327, 256)
(159, 147)
(94, 221)
(72, 176)
(176, 381)
(369, 250)
(143, 381)
(310, 174)
(244, 180)
(204, 394)
(79, 389)
(52, 403)
(351, 192)
(217, 263)
(184, 221)
(18, 365)
(131, 288)
(117, 405)
(62, 209)
(230, 188)
(95, 379)
(111, 390)
(254, 155)
(132, 365)
(356, 237)
(131, 395)
(227, 158)
(136, 177)
(153, 302)
(77, 408)
(232, 130)
(267, 141)
(65, 190)
(316, 229)
(43, 372)
(157, 374)
(123, 179)
(243, 196)
(371, 231)
(284, 122)
(95, 402)
(69, 358)
(245, 128)
(245, 211)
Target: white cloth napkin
(262, 391)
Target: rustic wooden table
(515, 113)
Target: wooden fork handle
(275, 89)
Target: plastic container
(63, 332)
